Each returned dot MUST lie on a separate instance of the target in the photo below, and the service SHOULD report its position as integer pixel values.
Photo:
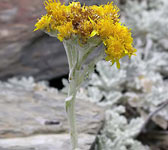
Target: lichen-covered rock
(36, 112)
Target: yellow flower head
(87, 22)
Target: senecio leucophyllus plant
(82, 29)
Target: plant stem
(70, 109)
(78, 70)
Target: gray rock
(34, 114)
(46, 142)
(24, 52)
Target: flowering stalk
(82, 29)
(79, 70)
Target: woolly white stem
(70, 109)
(78, 70)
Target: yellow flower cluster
(87, 22)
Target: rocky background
(24, 52)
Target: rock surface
(33, 118)
(24, 52)
(46, 142)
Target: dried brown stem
(161, 107)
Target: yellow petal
(94, 32)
